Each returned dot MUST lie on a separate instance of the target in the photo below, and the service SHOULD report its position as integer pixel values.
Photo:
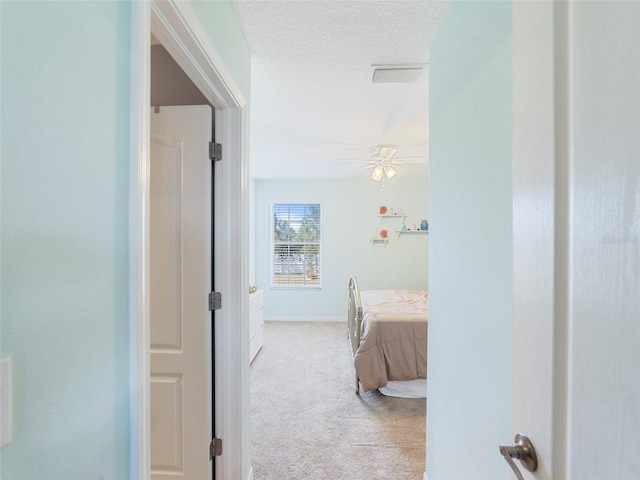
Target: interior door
(536, 237)
(576, 223)
(180, 281)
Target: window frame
(273, 243)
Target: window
(295, 247)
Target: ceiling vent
(398, 73)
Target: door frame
(541, 164)
(178, 28)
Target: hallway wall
(65, 157)
(470, 263)
(65, 230)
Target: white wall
(470, 264)
(349, 219)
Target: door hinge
(215, 448)
(215, 301)
(215, 151)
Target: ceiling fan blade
(386, 152)
(358, 160)
(406, 160)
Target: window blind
(296, 245)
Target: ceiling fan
(383, 163)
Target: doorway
(174, 25)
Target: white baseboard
(425, 476)
(296, 318)
(250, 476)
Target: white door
(534, 233)
(180, 280)
(576, 352)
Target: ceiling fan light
(390, 172)
(376, 173)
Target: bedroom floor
(307, 421)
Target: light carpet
(309, 424)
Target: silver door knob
(522, 450)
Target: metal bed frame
(354, 320)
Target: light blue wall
(65, 155)
(222, 26)
(470, 266)
(349, 220)
(64, 230)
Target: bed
(388, 334)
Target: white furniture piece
(256, 323)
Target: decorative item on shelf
(415, 229)
(424, 225)
(390, 213)
(379, 237)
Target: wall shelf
(392, 215)
(411, 232)
(382, 241)
(381, 236)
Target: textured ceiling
(312, 100)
